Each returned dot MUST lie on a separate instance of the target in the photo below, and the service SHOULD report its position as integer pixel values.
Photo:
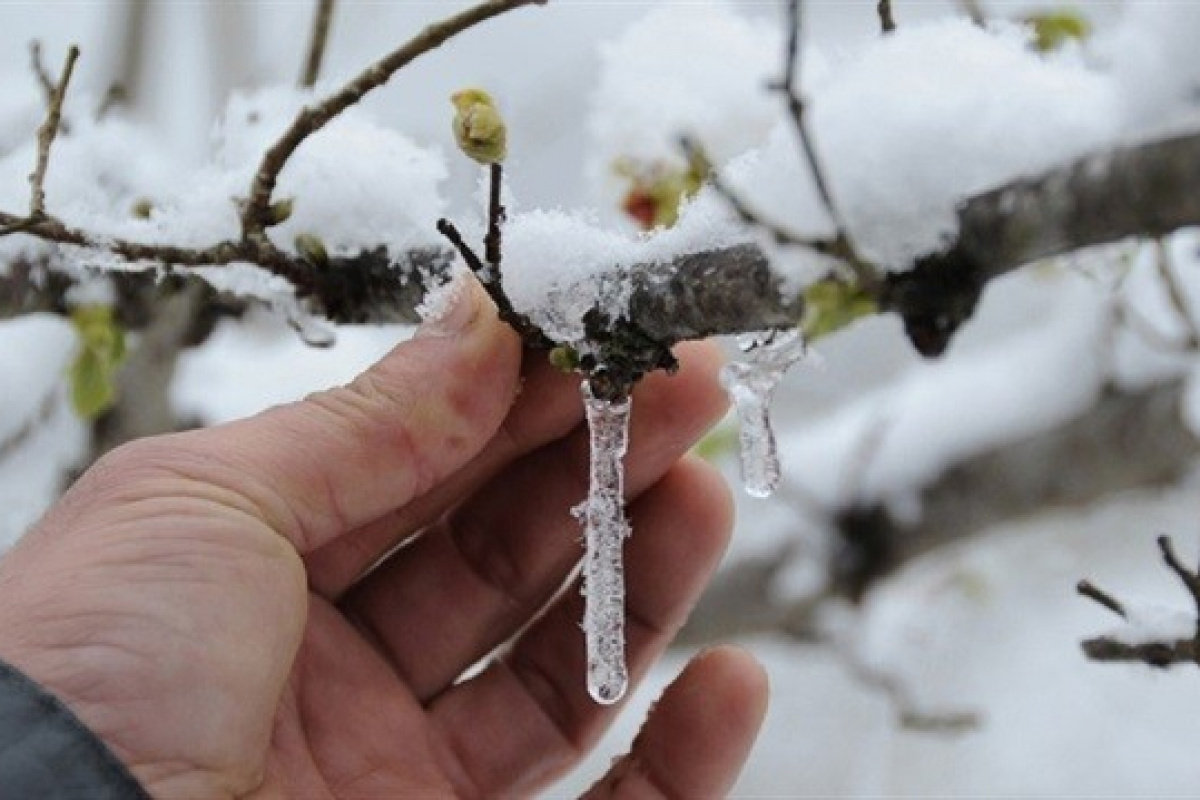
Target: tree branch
(256, 213)
(1161, 654)
(46, 135)
(887, 20)
(1143, 190)
(322, 22)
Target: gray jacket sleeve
(47, 753)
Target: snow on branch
(1154, 636)
(329, 294)
(1142, 190)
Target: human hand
(204, 601)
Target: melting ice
(750, 384)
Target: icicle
(605, 529)
(750, 384)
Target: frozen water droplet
(605, 530)
(750, 385)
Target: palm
(346, 727)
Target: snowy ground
(990, 627)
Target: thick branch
(256, 214)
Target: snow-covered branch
(1141, 190)
(1155, 636)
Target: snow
(39, 436)
(1147, 623)
(908, 126)
(877, 446)
(605, 531)
(558, 265)
(689, 69)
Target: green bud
(478, 127)
(564, 358)
(142, 208)
(1053, 29)
(280, 211)
(312, 249)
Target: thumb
(338, 459)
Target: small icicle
(750, 384)
(605, 530)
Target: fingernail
(449, 309)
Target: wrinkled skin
(205, 601)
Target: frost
(605, 530)
(750, 384)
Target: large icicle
(605, 529)
(750, 384)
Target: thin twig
(789, 86)
(45, 137)
(256, 214)
(1189, 578)
(530, 333)
(1094, 592)
(51, 229)
(322, 22)
(40, 72)
(1175, 293)
(1164, 653)
(739, 206)
(492, 241)
(887, 20)
(474, 262)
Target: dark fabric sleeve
(47, 753)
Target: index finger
(325, 465)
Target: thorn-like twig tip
(1093, 592)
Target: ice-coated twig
(605, 530)
(750, 384)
